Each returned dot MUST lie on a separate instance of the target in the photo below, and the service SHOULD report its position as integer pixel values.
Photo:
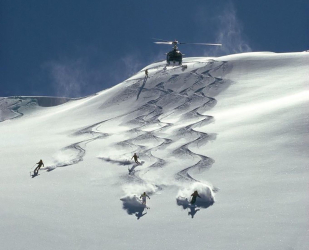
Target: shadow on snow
(133, 205)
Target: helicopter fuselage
(174, 56)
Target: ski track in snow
(153, 123)
(192, 102)
(10, 108)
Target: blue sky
(76, 47)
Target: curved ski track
(188, 104)
(14, 105)
(193, 101)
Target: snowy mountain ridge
(234, 128)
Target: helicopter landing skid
(183, 66)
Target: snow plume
(75, 77)
(205, 191)
(127, 66)
(132, 63)
(69, 77)
(230, 34)
(131, 202)
(138, 189)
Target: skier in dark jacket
(40, 163)
(194, 196)
(143, 197)
(135, 158)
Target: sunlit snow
(233, 128)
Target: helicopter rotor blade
(161, 41)
(211, 44)
(164, 43)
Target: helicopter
(175, 55)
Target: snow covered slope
(234, 128)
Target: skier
(40, 163)
(146, 73)
(143, 197)
(135, 158)
(194, 196)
